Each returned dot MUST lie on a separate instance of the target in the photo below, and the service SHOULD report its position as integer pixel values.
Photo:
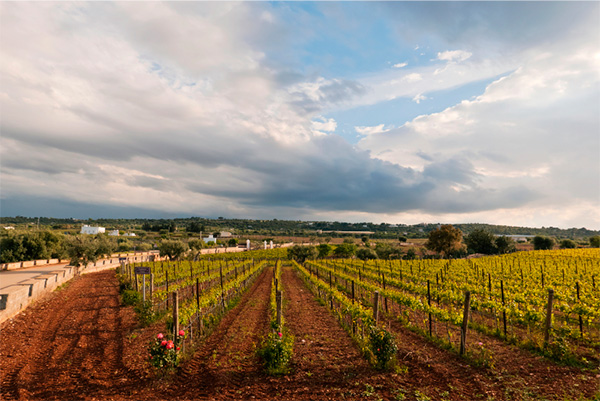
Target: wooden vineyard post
(198, 294)
(429, 303)
(437, 288)
(136, 282)
(376, 306)
(330, 284)
(580, 319)
(167, 281)
(276, 285)
(222, 290)
(465, 323)
(352, 292)
(278, 300)
(385, 301)
(542, 279)
(175, 314)
(548, 317)
(152, 289)
(503, 310)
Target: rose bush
(164, 353)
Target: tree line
(295, 227)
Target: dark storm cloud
(336, 176)
(36, 205)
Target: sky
(396, 112)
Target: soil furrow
(226, 362)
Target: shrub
(131, 297)
(383, 347)
(411, 254)
(276, 352)
(568, 244)
(164, 352)
(324, 250)
(542, 243)
(366, 253)
(344, 250)
(124, 282)
(145, 312)
(300, 253)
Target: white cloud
(322, 124)
(377, 129)
(536, 128)
(418, 98)
(455, 56)
(400, 65)
(413, 77)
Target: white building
(210, 238)
(114, 233)
(92, 230)
(129, 235)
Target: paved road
(12, 277)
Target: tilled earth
(80, 343)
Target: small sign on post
(143, 270)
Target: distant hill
(290, 227)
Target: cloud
(418, 98)
(322, 124)
(454, 56)
(190, 108)
(413, 77)
(400, 65)
(313, 96)
(524, 136)
(372, 130)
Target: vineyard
(256, 325)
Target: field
(84, 343)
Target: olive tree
(542, 243)
(173, 249)
(300, 253)
(481, 241)
(444, 240)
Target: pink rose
(163, 343)
(280, 335)
(181, 333)
(178, 348)
(160, 336)
(170, 345)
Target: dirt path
(326, 363)
(226, 366)
(70, 345)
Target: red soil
(81, 344)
